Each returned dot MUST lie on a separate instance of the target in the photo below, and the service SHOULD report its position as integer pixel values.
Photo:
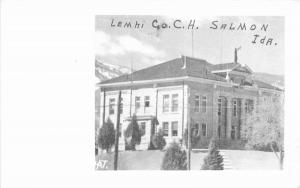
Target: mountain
(105, 71)
(273, 79)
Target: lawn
(145, 160)
(151, 160)
(252, 160)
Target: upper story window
(166, 128)
(166, 103)
(246, 106)
(112, 102)
(219, 107)
(197, 103)
(146, 101)
(234, 107)
(174, 102)
(203, 104)
(175, 128)
(137, 103)
(249, 106)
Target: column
(215, 115)
(228, 116)
(242, 118)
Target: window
(257, 104)
(203, 104)
(142, 128)
(197, 103)
(196, 129)
(166, 128)
(219, 107)
(246, 106)
(166, 103)
(174, 102)
(111, 106)
(250, 106)
(235, 108)
(137, 103)
(147, 101)
(174, 128)
(203, 129)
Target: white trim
(207, 81)
(232, 71)
(115, 92)
(223, 70)
(187, 78)
(139, 82)
(168, 88)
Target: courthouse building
(213, 98)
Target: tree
(106, 138)
(175, 158)
(263, 129)
(133, 133)
(213, 161)
(158, 140)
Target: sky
(149, 45)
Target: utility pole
(193, 42)
(103, 114)
(117, 133)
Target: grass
(144, 160)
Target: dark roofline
(135, 72)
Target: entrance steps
(226, 162)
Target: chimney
(235, 54)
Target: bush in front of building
(132, 133)
(213, 161)
(158, 140)
(106, 137)
(175, 158)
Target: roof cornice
(164, 80)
